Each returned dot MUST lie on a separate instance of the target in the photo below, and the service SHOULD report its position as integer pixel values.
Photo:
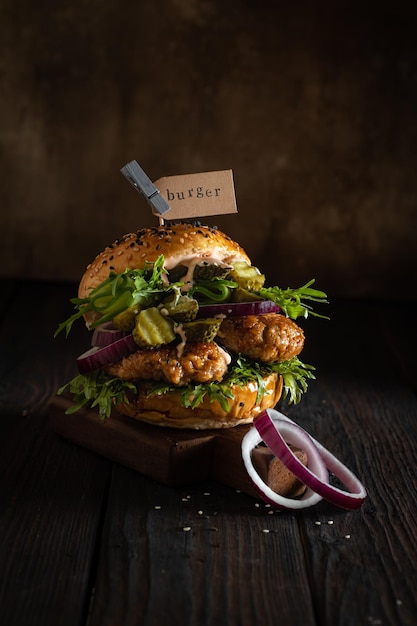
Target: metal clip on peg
(140, 181)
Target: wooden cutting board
(172, 456)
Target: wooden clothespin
(140, 181)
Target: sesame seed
(186, 529)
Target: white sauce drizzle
(226, 355)
(210, 257)
(191, 265)
(179, 330)
(190, 261)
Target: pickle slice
(180, 308)
(247, 276)
(202, 330)
(208, 271)
(152, 329)
(126, 319)
(243, 295)
(177, 273)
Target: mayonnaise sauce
(190, 261)
(226, 355)
(179, 330)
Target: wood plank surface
(51, 494)
(86, 541)
(197, 555)
(363, 409)
(52, 497)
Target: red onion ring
(238, 309)
(300, 439)
(106, 334)
(95, 358)
(273, 427)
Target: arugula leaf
(295, 374)
(291, 300)
(119, 292)
(192, 395)
(97, 390)
(241, 372)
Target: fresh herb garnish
(241, 372)
(146, 287)
(100, 390)
(213, 290)
(119, 292)
(97, 389)
(294, 374)
(291, 300)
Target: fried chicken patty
(269, 337)
(199, 362)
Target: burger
(185, 331)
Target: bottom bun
(166, 409)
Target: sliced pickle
(126, 319)
(152, 329)
(208, 271)
(243, 295)
(247, 276)
(146, 300)
(203, 330)
(180, 308)
(177, 273)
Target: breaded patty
(269, 337)
(199, 362)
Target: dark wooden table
(84, 540)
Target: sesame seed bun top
(177, 242)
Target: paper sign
(198, 195)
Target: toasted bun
(177, 242)
(166, 410)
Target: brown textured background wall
(311, 103)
